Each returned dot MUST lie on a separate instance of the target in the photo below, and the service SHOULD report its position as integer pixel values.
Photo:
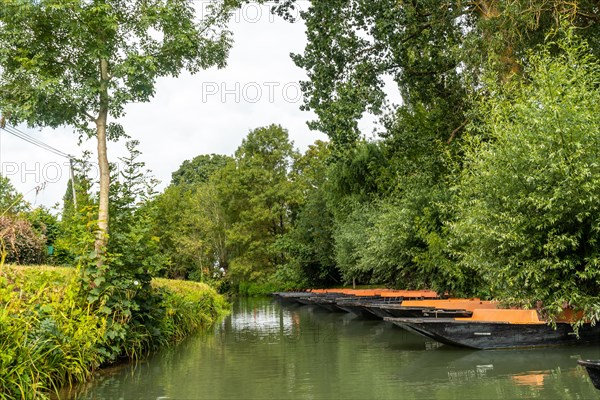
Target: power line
(36, 142)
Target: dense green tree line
(481, 182)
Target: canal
(264, 350)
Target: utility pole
(73, 183)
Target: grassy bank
(50, 337)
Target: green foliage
(188, 308)
(353, 46)
(51, 338)
(75, 236)
(259, 199)
(357, 173)
(310, 246)
(132, 245)
(309, 243)
(254, 289)
(45, 223)
(199, 169)
(435, 54)
(77, 63)
(48, 340)
(190, 222)
(350, 235)
(527, 209)
(82, 172)
(11, 202)
(51, 74)
(226, 215)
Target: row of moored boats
(472, 323)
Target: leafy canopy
(50, 52)
(529, 196)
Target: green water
(268, 351)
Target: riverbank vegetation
(52, 336)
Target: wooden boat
(351, 300)
(297, 297)
(341, 302)
(321, 299)
(291, 297)
(331, 302)
(593, 369)
(327, 298)
(360, 306)
(498, 329)
(440, 308)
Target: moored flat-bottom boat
(361, 306)
(437, 308)
(333, 299)
(593, 369)
(291, 297)
(498, 329)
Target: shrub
(50, 337)
(529, 197)
(23, 245)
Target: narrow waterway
(264, 350)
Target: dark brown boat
(593, 369)
(499, 329)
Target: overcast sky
(210, 112)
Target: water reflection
(265, 351)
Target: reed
(49, 338)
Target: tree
(190, 221)
(132, 244)
(259, 199)
(353, 45)
(529, 195)
(44, 223)
(83, 188)
(393, 228)
(76, 230)
(199, 169)
(309, 243)
(78, 63)
(11, 202)
(434, 52)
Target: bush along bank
(57, 326)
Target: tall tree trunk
(101, 124)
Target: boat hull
(328, 304)
(290, 297)
(378, 310)
(497, 335)
(593, 369)
(359, 310)
(362, 307)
